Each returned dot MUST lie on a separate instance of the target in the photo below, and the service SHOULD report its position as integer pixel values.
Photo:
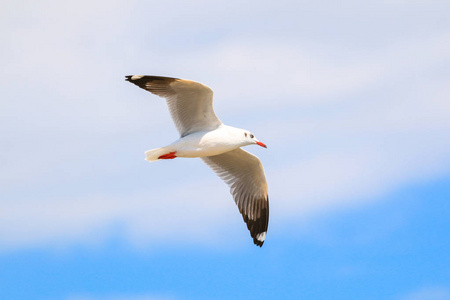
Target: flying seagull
(203, 135)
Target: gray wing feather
(244, 174)
(189, 102)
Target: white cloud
(429, 293)
(344, 123)
(185, 213)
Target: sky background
(352, 99)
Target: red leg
(170, 155)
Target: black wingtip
(258, 243)
(139, 80)
(144, 81)
(149, 78)
(258, 227)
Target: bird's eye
(251, 135)
(245, 134)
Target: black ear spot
(245, 134)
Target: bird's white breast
(207, 143)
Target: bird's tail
(157, 154)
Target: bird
(203, 135)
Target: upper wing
(244, 173)
(190, 102)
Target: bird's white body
(218, 145)
(204, 143)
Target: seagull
(203, 135)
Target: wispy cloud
(344, 122)
(429, 293)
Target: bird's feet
(170, 155)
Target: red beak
(261, 144)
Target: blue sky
(351, 98)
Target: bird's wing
(244, 174)
(190, 102)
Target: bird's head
(251, 139)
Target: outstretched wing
(244, 174)
(190, 102)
